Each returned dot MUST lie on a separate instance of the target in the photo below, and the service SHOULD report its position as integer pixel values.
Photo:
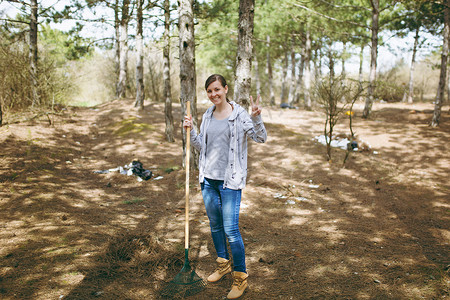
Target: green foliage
(56, 50)
(133, 201)
(390, 85)
(216, 36)
(63, 46)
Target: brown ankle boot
(223, 267)
(239, 285)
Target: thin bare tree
(443, 75)
(188, 82)
(122, 84)
(166, 74)
(140, 58)
(243, 78)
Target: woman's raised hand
(187, 123)
(256, 107)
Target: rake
(186, 282)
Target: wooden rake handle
(188, 156)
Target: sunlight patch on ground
(440, 204)
(442, 235)
(332, 232)
(298, 220)
(365, 211)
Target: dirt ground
(377, 228)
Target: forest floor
(377, 228)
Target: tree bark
(300, 86)
(307, 71)
(331, 61)
(122, 86)
(257, 80)
(292, 85)
(140, 58)
(408, 96)
(117, 46)
(187, 66)
(285, 65)
(343, 71)
(443, 75)
(243, 78)
(33, 52)
(361, 60)
(270, 73)
(315, 65)
(166, 73)
(373, 59)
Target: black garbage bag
(138, 169)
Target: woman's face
(217, 93)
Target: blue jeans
(222, 207)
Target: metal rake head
(186, 283)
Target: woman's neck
(223, 106)
(223, 110)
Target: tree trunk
(122, 86)
(320, 63)
(443, 74)
(343, 71)
(243, 78)
(292, 85)
(300, 86)
(140, 59)
(33, 52)
(117, 46)
(409, 93)
(448, 85)
(315, 65)
(167, 86)
(187, 66)
(373, 59)
(307, 71)
(270, 73)
(257, 80)
(331, 61)
(285, 65)
(361, 60)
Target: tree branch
(330, 18)
(14, 21)
(345, 6)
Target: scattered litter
(158, 178)
(134, 168)
(279, 196)
(375, 152)
(337, 142)
(301, 199)
(313, 186)
(68, 162)
(290, 202)
(343, 142)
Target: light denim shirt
(242, 126)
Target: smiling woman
(222, 143)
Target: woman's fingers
(187, 123)
(256, 108)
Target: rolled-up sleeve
(255, 129)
